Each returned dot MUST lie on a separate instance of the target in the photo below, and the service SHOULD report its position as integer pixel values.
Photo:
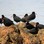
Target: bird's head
(14, 14)
(33, 12)
(26, 15)
(37, 24)
(2, 16)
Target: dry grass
(22, 38)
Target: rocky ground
(10, 35)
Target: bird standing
(29, 26)
(28, 18)
(32, 16)
(16, 18)
(41, 26)
(6, 21)
(34, 30)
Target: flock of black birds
(26, 19)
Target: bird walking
(25, 18)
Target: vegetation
(8, 35)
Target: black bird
(32, 16)
(16, 18)
(0, 20)
(29, 26)
(34, 30)
(27, 18)
(6, 21)
(41, 26)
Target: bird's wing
(32, 16)
(41, 26)
(32, 30)
(25, 18)
(7, 20)
(17, 19)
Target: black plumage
(41, 26)
(28, 18)
(29, 26)
(25, 18)
(16, 18)
(34, 30)
(7, 21)
(32, 16)
(0, 20)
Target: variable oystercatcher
(34, 30)
(16, 18)
(32, 16)
(25, 18)
(41, 26)
(28, 18)
(29, 26)
(6, 21)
